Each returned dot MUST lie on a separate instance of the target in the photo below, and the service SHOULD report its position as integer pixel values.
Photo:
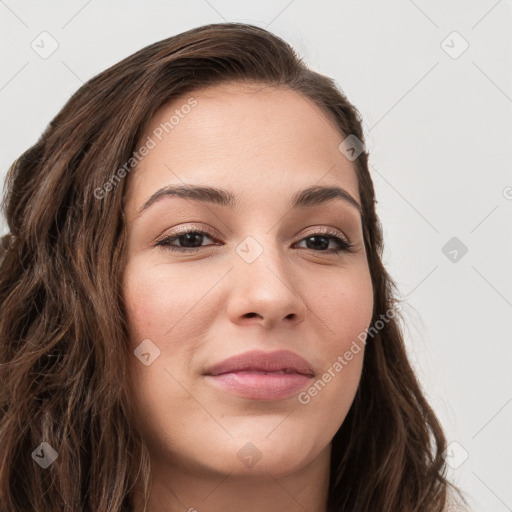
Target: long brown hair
(63, 330)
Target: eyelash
(343, 245)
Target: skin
(263, 144)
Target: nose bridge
(262, 284)
(261, 253)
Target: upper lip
(259, 360)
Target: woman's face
(263, 276)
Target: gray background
(438, 129)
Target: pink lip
(254, 374)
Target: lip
(260, 375)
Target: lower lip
(260, 386)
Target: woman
(195, 314)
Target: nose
(264, 292)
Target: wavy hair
(63, 328)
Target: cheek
(158, 300)
(158, 303)
(345, 306)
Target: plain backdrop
(433, 82)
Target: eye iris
(324, 245)
(189, 238)
(318, 242)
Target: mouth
(258, 375)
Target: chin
(277, 455)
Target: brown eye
(189, 241)
(319, 242)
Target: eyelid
(344, 244)
(187, 228)
(312, 230)
(326, 230)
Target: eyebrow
(311, 196)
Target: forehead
(246, 137)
